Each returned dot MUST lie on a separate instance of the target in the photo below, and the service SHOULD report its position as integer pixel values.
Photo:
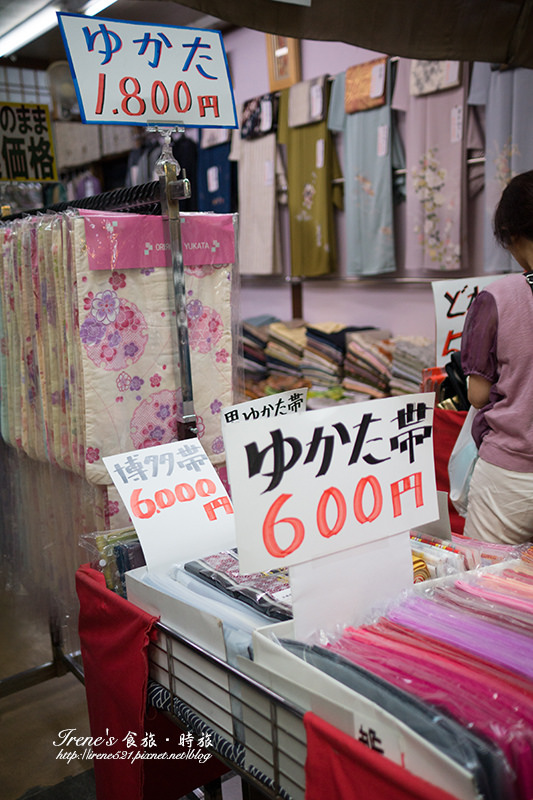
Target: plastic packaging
(239, 620)
(440, 561)
(489, 704)
(113, 553)
(481, 757)
(461, 464)
(267, 592)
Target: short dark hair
(514, 214)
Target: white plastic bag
(461, 464)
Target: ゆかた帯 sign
(312, 484)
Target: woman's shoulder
(505, 284)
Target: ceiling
(499, 31)
(49, 47)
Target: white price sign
(308, 485)
(138, 73)
(177, 502)
(452, 300)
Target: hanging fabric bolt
(174, 189)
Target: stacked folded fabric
(284, 350)
(254, 338)
(88, 365)
(323, 354)
(273, 384)
(368, 362)
(411, 355)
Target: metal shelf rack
(256, 732)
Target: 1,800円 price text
(133, 104)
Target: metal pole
(172, 191)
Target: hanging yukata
(90, 339)
(217, 179)
(128, 334)
(41, 378)
(508, 99)
(254, 147)
(436, 165)
(312, 167)
(360, 110)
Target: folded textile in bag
(461, 464)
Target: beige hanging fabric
(88, 366)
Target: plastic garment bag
(461, 464)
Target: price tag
(317, 483)
(456, 124)
(138, 73)
(266, 115)
(451, 73)
(213, 183)
(320, 153)
(377, 80)
(316, 101)
(383, 140)
(176, 501)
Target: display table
(115, 640)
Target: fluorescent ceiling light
(27, 31)
(40, 23)
(95, 6)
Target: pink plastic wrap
(487, 701)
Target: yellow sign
(26, 145)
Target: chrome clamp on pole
(173, 189)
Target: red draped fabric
(446, 427)
(339, 766)
(114, 636)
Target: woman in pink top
(497, 357)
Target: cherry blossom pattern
(218, 445)
(112, 508)
(222, 356)
(216, 406)
(202, 271)
(114, 332)
(92, 454)
(155, 420)
(117, 280)
(200, 427)
(205, 326)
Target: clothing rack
(148, 198)
(142, 199)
